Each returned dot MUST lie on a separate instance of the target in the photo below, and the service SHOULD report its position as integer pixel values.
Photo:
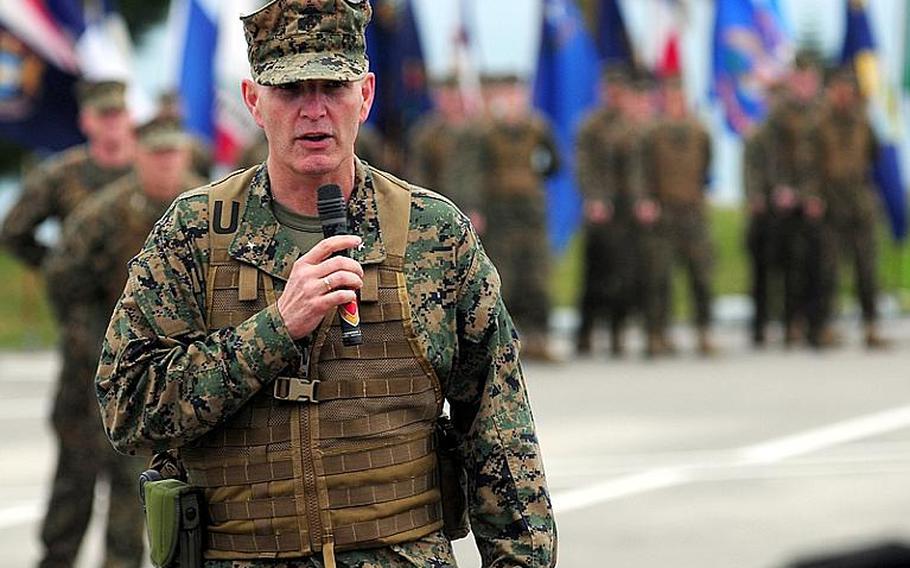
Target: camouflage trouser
(85, 455)
(853, 238)
(759, 244)
(432, 551)
(516, 241)
(610, 289)
(680, 235)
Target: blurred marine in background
(511, 155)
(54, 190)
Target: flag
(210, 51)
(751, 51)
(613, 45)
(859, 49)
(565, 90)
(45, 46)
(396, 56)
(465, 66)
(666, 60)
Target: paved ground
(744, 461)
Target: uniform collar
(264, 243)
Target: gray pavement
(745, 460)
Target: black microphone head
(330, 203)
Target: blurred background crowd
(614, 156)
(605, 140)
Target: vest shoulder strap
(393, 196)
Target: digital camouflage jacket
(164, 381)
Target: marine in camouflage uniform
(676, 156)
(758, 237)
(846, 152)
(511, 156)
(434, 140)
(794, 208)
(210, 359)
(604, 154)
(53, 191)
(88, 269)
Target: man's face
(311, 126)
(842, 94)
(804, 84)
(674, 103)
(162, 171)
(108, 129)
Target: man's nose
(312, 104)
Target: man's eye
(335, 85)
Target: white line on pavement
(770, 452)
(24, 408)
(821, 438)
(20, 514)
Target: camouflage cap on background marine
(101, 95)
(300, 40)
(162, 133)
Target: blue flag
(859, 49)
(38, 71)
(613, 43)
(396, 56)
(565, 90)
(751, 50)
(197, 68)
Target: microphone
(334, 218)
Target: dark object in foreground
(883, 555)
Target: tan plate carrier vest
(341, 456)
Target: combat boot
(583, 344)
(706, 347)
(874, 340)
(618, 343)
(536, 348)
(793, 334)
(826, 338)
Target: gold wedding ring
(328, 284)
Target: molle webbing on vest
(353, 468)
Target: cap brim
(164, 141)
(311, 67)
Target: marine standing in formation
(609, 281)
(513, 153)
(433, 142)
(846, 152)
(790, 168)
(53, 191)
(675, 161)
(226, 344)
(88, 269)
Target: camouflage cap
(101, 95)
(162, 133)
(299, 40)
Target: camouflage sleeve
(754, 169)
(36, 203)
(511, 514)
(418, 158)
(640, 159)
(163, 379)
(590, 169)
(75, 270)
(465, 178)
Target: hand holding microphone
(325, 278)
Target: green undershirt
(306, 231)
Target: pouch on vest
(172, 515)
(453, 481)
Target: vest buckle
(293, 389)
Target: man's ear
(368, 90)
(250, 92)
